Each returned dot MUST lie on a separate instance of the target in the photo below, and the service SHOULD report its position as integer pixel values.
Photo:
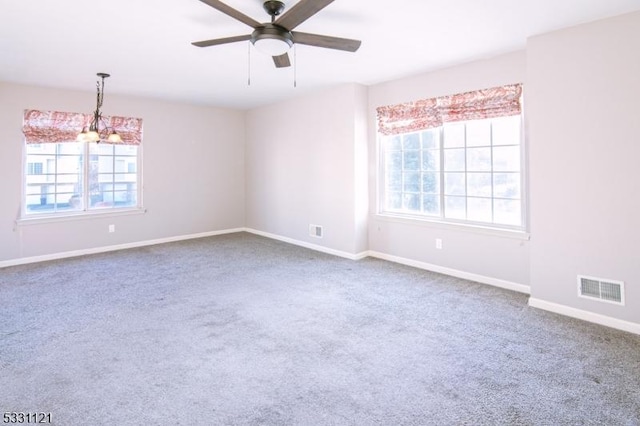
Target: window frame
(85, 212)
(520, 232)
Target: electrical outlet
(112, 228)
(439, 243)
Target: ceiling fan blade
(228, 10)
(300, 12)
(225, 40)
(329, 42)
(282, 61)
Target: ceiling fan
(276, 37)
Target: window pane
(70, 148)
(411, 160)
(411, 141)
(63, 200)
(45, 148)
(506, 159)
(479, 209)
(33, 188)
(121, 164)
(124, 198)
(431, 160)
(453, 135)
(69, 178)
(475, 164)
(506, 185)
(394, 200)
(411, 182)
(431, 205)
(130, 150)
(394, 180)
(507, 212)
(430, 139)
(431, 183)
(394, 160)
(454, 160)
(411, 202)
(101, 149)
(479, 184)
(69, 164)
(75, 202)
(105, 164)
(479, 133)
(454, 207)
(454, 184)
(506, 130)
(55, 181)
(125, 177)
(68, 189)
(393, 143)
(479, 159)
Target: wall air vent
(315, 231)
(601, 289)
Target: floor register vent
(597, 288)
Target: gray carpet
(243, 330)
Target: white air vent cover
(602, 289)
(315, 231)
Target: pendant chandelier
(98, 129)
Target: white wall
(306, 164)
(193, 173)
(583, 87)
(472, 252)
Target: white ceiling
(146, 44)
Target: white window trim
(67, 217)
(519, 232)
(33, 219)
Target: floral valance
(55, 126)
(429, 113)
(409, 117)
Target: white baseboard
(508, 285)
(75, 253)
(521, 288)
(618, 324)
(316, 247)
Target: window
(64, 176)
(462, 171)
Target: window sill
(463, 227)
(67, 217)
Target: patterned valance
(409, 117)
(55, 126)
(429, 113)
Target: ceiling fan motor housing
(273, 7)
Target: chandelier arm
(94, 133)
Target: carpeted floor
(243, 330)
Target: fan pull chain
(295, 65)
(249, 64)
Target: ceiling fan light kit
(272, 40)
(277, 37)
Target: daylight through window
(69, 177)
(464, 171)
